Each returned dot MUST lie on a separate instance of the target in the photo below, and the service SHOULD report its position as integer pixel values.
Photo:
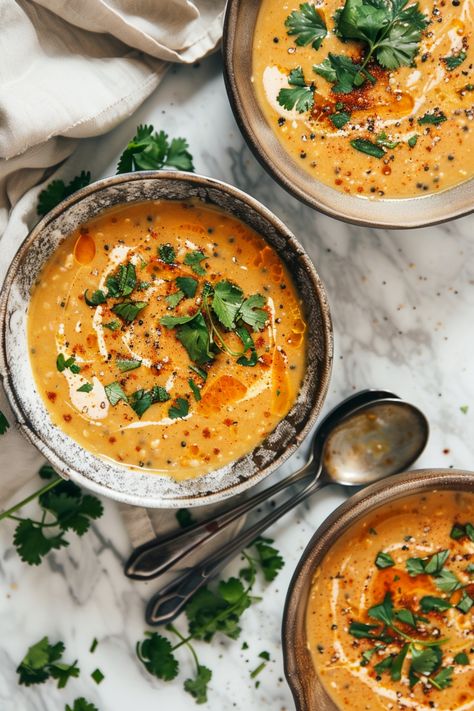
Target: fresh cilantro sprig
(81, 704)
(343, 73)
(64, 508)
(307, 25)
(454, 60)
(300, 95)
(147, 150)
(42, 662)
(210, 611)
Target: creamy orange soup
(390, 619)
(167, 336)
(418, 117)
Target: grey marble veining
(402, 304)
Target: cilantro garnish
(384, 560)
(427, 566)
(115, 393)
(126, 364)
(156, 654)
(383, 140)
(340, 70)
(428, 603)
(167, 253)
(193, 260)
(300, 96)
(142, 399)
(86, 388)
(434, 117)
(447, 581)
(180, 408)
(184, 518)
(56, 191)
(226, 302)
(455, 60)
(412, 140)
(465, 603)
(443, 679)
(42, 661)
(459, 531)
(97, 297)
(81, 704)
(93, 646)
(461, 658)
(98, 676)
(112, 325)
(365, 146)
(197, 687)
(195, 390)
(269, 558)
(4, 424)
(123, 282)
(340, 118)
(307, 25)
(129, 310)
(187, 285)
(149, 150)
(195, 337)
(63, 364)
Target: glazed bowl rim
(317, 289)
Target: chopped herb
(93, 646)
(115, 393)
(123, 282)
(180, 408)
(406, 616)
(193, 260)
(63, 363)
(434, 117)
(42, 661)
(373, 532)
(383, 140)
(455, 60)
(307, 25)
(156, 654)
(464, 409)
(197, 687)
(174, 298)
(257, 670)
(412, 140)
(4, 424)
(269, 558)
(251, 312)
(126, 364)
(149, 150)
(97, 676)
(226, 302)
(461, 658)
(425, 661)
(112, 325)
(443, 679)
(56, 191)
(300, 96)
(196, 339)
(81, 704)
(184, 518)
(86, 388)
(199, 371)
(365, 146)
(447, 581)
(187, 285)
(129, 310)
(95, 299)
(142, 399)
(465, 603)
(340, 119)
(166, 253)
(427, 566)
(195, 389)
(384, 560)
(428, 603)
(340, 70)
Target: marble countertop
(402, 305)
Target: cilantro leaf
(172, 321)
(269, 558)
(428, 603)
(42, 662)
(156, 654)
(129, 310)
(81, 704)
(142, 399)
(436, 562)
(340, 70)
(226, 302)
(31, 543)
(443, 679)
(434, 117)
(412, 140)
(123, 282)
(425, 661)
(56, 191)
(209, 612)
(115, 393)
(63, 364)
(187, 285)
(397, 663)
(461, 658)
(193, 260)
(98, 676)
(63, 672)
(126, 364)
(406, 616)
(251, 312)
(361, 630)
(454, 61)
(97, 297)
(4, 424)
(149, 150)
(180, 408)
(465, 603)
(184, 518)
(384, 560)
(340, 118)
(166, 253)
(415, 566)
(365, 146)
(195, 390)
(384, 611)
(447, 581)
(195, 338)
(86, 388)
(248, 344)
(73, 509)
(174, 298)
(300, 96)
(307, 25)
(197, 687)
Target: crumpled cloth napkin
(72, 69)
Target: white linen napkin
(71, 70)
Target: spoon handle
(155, 558)
(169, 602)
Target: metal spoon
(156, 557)
(368, 443)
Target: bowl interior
(308, 692)
(239, 29)
(106, 476)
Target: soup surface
(397, 126)
(167, 336)
(390, 615)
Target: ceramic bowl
(104, 476)
(308, 692)
(239, 26)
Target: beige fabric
(71, 69)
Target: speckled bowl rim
(299, 670)
(405, 213)
(206, 495)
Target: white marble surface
(402, 305)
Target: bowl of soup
(166, 340)
(379, 614)
(361, 111)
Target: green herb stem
(50, 485)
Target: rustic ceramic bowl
(239, 26)
(308, 692)
(104, 476)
